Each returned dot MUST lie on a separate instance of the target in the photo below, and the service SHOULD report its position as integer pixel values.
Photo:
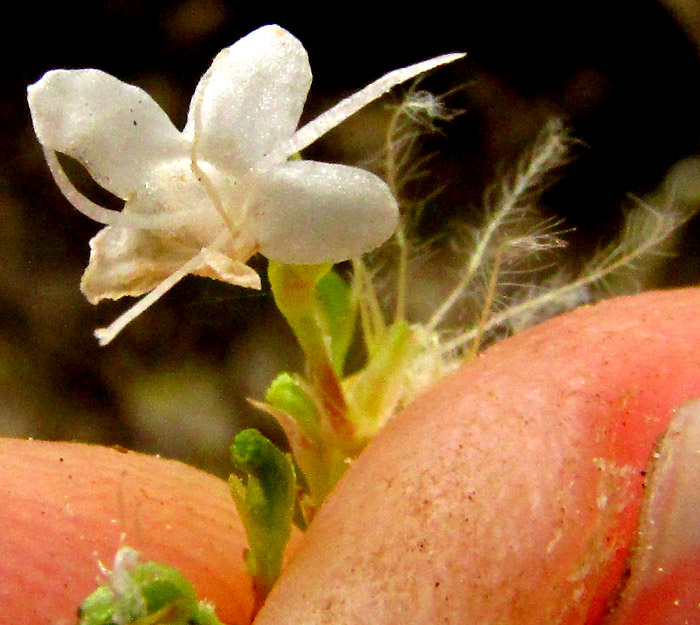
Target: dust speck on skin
(558, 535)
(581, 572)
(614, 483)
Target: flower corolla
(204, 200)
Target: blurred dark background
(623, 74)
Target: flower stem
(294, 288)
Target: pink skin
(509, 493)
(664, 578)
(66, 507)
(672, 600)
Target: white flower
(204, 200)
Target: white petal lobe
(115, 130)
(250, 99)
(312, 212)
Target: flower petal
(220, 266)
(124, 261)
(115, 130)
(310, 212)
(208, 262)
(250, 99)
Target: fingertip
(69, 507)
(663, 585)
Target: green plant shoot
(330, 417)
(265, 499)
(319, 452)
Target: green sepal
(320, 308)
(339, 307)
(265, 499)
